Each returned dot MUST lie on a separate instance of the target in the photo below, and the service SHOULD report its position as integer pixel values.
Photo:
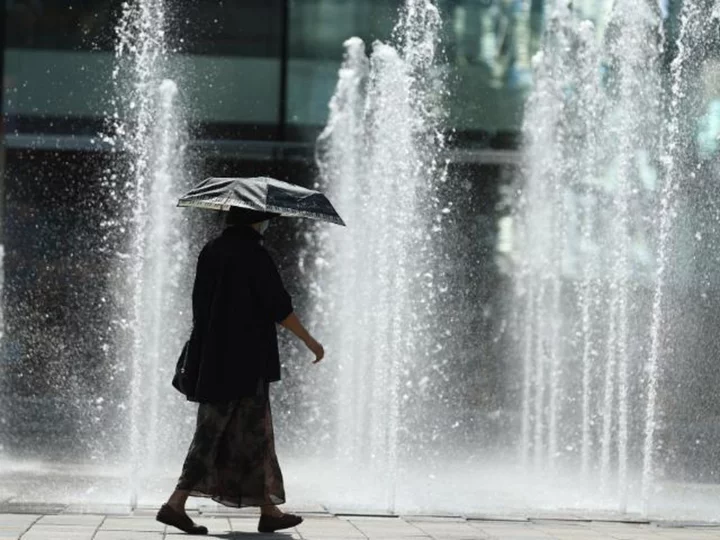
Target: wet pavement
(57, 523)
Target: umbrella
(261, 194)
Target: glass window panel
(248, 28)
(488, 45)
(251, 28)
(318, 29)
(43, 24)
(59, 62)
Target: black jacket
(238, 297)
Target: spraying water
(695, 27)
(379, 160)
(149, 129)
(608, 157)
(594, 233)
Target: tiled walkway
(329, 527)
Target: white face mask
(262, 226)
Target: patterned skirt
(232, 455)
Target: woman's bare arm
(293, 324)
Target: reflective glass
(317, 31)
(59, 61)
(487, 46)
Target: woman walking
(227, 366)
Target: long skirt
(232, 455)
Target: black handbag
(186, 369)
(180, 380)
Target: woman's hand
(293, 324)
(316, 349)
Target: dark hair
(245, 216)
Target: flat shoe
(172, 517)
(270, 524)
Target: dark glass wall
(260, 69)
(59, 59)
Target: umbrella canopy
(261, 194)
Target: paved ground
(142, 526)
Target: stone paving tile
(624, 531)
(328, 528)
(502, 526)
(383, 536)
(12, 528)
(570, 531)
(576, 535)
(683, 533)
(11, 519)
(132, 523)
(318, 527)
(13, 525)
(60, 532)
(511, 531)
(450, 529)
(128, 535)
(79, 520)
(387, 528)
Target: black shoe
(270, 524)
(172, 517)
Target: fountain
(108, 416)
(379, 158)
(149, 129)
(608, 148)
(598, 399)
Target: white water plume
(594, 230)
(149, 132)
(379, 159)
